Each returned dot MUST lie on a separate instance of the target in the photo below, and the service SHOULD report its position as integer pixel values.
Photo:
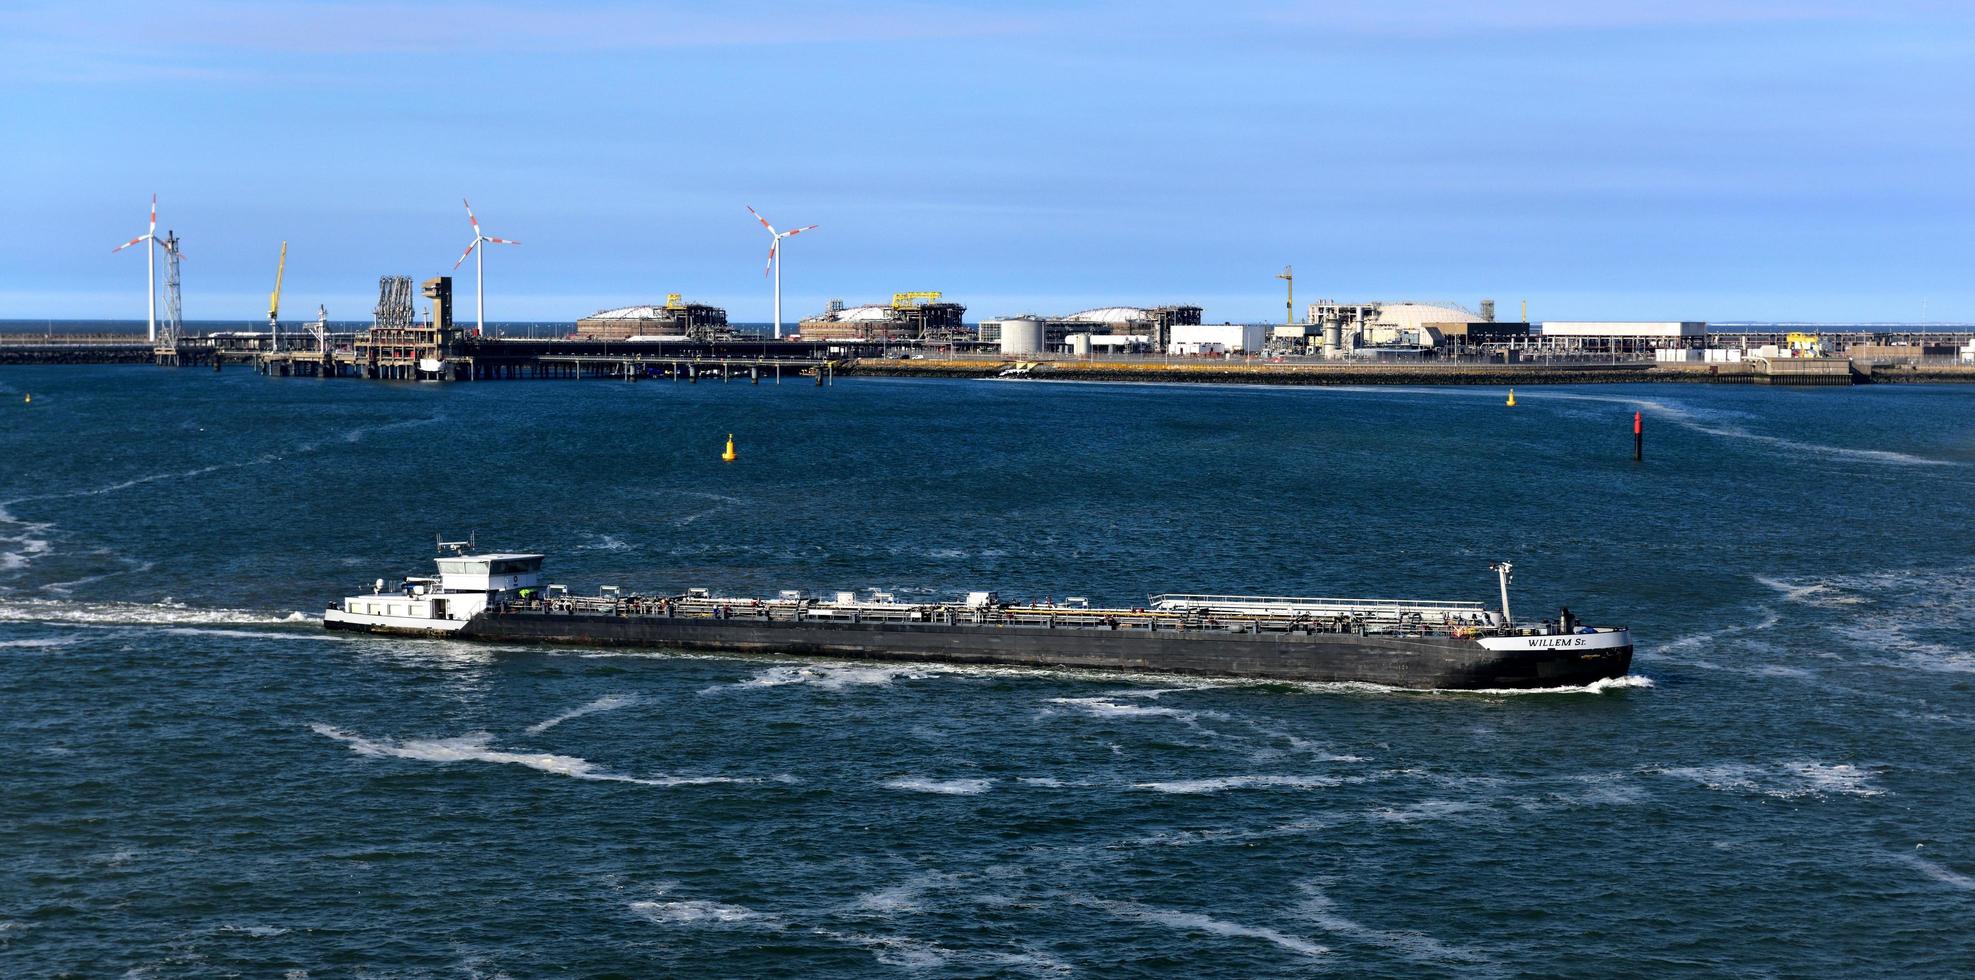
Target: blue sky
(1724, 160)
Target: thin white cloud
(360, 27)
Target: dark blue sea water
(199, 781)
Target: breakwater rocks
(56, 352)
(1238, 372)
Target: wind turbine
(150, 237)
(775, 261)
(479, 269)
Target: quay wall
(75, 353)
(1918, 373)
(1234, 372)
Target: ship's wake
(478, 747)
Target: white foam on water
(1818, 593)
(1688, 419)
(1626, 683)
(1195, 922)
(258, 932)
(1107, 708)
(692, 912)
(1416, 947)
(604, 542)
(1047, 782)
(139, 481)
(1197, 786)
(721, 502)
(1707, 638)
(832, 678)
(476, 747)
(1787, 780)
(40, 643)
(905, 896)
(1938, 872)
(1426, 810)
(609, 702)
(909, 954)
(944, 787)
(1909, 617)
(1608, 789)
(27, 543)
(164, 613)
(284, 636)
(1229, 835)
(360, 433)
(133, 567)
(1153, 693)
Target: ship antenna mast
(1503, 570)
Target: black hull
(1421, 663)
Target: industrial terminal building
(1383, 328)
(1152, 325)
(909, 318)
(675, 319)
(1207, 339)
(1620, 336)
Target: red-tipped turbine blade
(758, 217)
(463, 255)
(503, 241)
(128, 244)
(798, 231)
(771, 260)
(469, 215)
(154, 214)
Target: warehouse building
(687, 321)
(1620, 336)
(1194, 339)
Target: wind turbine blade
(501, 241)
(771, 259)
(470, 217)
(154, 214)
(128, 244)
(798, 231)
(758, 217)
(463, 255)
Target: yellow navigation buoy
(1512, 397)
(729, 456)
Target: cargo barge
(1399, 643)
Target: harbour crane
(274, 302)
(1288, 276)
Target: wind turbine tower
(150, 238)
(775, 261)
(479, 269)
(174, 324)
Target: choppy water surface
(200, 781)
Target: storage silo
(1021, 335)
(1080, 344)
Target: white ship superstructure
(467, 584)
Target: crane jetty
(501, 597)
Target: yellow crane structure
(900, 301)
(274, 302)
(1288, 276)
